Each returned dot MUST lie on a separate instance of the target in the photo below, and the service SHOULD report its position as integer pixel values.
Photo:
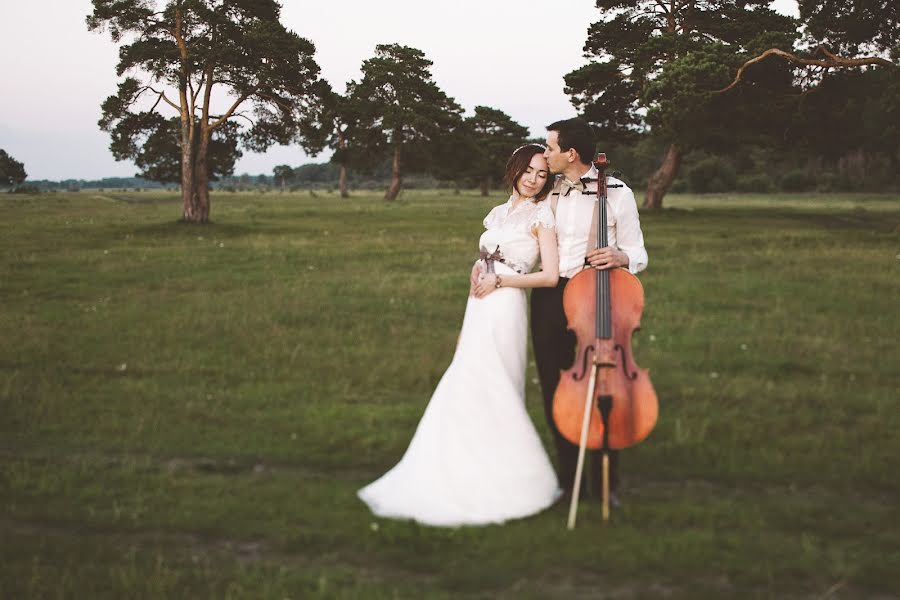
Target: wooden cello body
(634, 403)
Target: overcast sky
(507, 54)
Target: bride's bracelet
(499, 282)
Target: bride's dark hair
(517, 165)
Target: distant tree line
(105, 183)
(310, 176)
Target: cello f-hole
(631, 376)
(584, 364)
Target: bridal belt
(496, 256)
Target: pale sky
(55, 73)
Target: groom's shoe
(566, 497)
(585, 496)
(592, 496)
(588, 498)
(614, 501)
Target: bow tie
(580, 185)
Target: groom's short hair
(576, 133)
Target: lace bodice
(513, 231)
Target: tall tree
(342, 118)
(401, 111)
(492, 136)
(283, 174)
(187, 55)
(664, 59)
(12, 172)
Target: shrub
(712, 174)
(760, 183)
(680, 186)
(25, 189)
(833, 182)
(798, 180)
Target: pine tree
(186, 54)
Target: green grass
(188, 411)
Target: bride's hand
(473, 277)
(486, 284)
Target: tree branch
(827, 53)
(209, 72)
(231, 110)
(199, 89)
(831, 61)
(277, 102)
(192, 98)
(207, 94)
(187, 119)
(155, 104)
(243, 116)
(162, 95)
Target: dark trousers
(554, 350)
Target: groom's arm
(629, 237)
(629, 251)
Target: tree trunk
(485, 186)
(187, 173)
(661, 181)
(342, 182)
(196, 195)
(194, 180)
(394, 189)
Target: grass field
(188, 411)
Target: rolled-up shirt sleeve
(629, 237)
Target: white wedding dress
(476, 457)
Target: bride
(475, 457)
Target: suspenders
(592, 239)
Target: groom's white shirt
(575, 215)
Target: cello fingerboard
(604, 310)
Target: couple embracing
(476, 457)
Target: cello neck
(604, 309)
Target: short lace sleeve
(493, 218)
(543, 217)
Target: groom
(570, 151)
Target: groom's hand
(606, 258)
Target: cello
(604, 400)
